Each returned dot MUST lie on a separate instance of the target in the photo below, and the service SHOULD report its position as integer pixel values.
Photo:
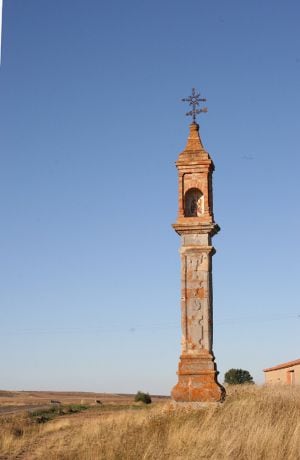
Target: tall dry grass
(253, 423)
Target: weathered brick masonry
(197, 372)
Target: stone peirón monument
(197, 371)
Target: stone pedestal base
(197, 380)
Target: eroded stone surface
(197, 380)
(197, 374)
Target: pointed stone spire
(194, 142)
(194, 148)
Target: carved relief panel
(196, 302)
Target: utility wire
(112, 328)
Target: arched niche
(193, 203)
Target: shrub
(73, 408)
(143, 397)
(237, 377)
(46, 414)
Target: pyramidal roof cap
(194, 149)
(194, 142)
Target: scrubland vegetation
(253, 423)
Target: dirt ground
(12, 402)
(15, 406)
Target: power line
(111, 328)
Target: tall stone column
(197, 372)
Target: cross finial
(194, 101)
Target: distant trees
(237, 377)
(143, 397)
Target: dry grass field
(19, 399)
(253, 423)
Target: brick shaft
(197, 372)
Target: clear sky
(91, 124)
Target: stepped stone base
(197, 380)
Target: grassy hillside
(253, 423)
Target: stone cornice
(194, 162)
(197, 249)
(200, 228)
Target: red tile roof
(283, 366)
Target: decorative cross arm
(194, 100)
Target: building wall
(288, 375)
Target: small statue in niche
(194, 207)
(194, 203)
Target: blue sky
(91, 125)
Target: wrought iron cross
(194, 101)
